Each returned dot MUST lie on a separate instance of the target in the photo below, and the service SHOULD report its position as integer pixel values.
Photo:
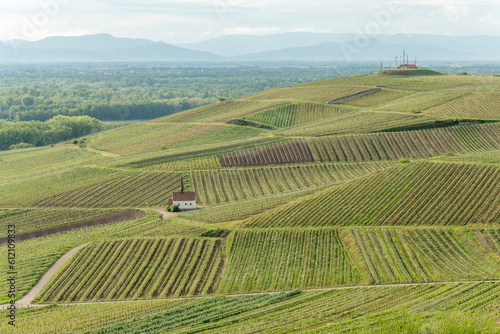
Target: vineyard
(286, 260)
(364, 121)
(138, 268)
(133, 190)
(295, 114)
(224, 186)
(143, 189)
(279, 154)
(38, 219)
(364, 204)
(365, 310)
(221, 112)
(313, 94)
(380, 97)
(372, 147)
(417, 84)
(40, 253)
(475, 106)
(423, 101)
(415, 194)
(403, 256)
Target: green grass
(26, 164)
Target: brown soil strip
(107, 219)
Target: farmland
(118, 270)
(295, 114)
(285, 260)
(414, 194)
(376, 213)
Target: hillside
(366, 204)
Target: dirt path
(26, 300)
(164, 213)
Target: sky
(187, 21)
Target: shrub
(175, 208)
(404, 161)
(217, 233)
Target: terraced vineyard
(285, 260)
(380, 97)
(423, 101)
(285, 153)
(225, 186)
(145, 189)
(33, 220)
(137, 189)
(138, 268)
(313, 94)
(416, 194)
(373, 147)
(357, 216)
(475, 106)
(297, 113)
(403, 256)
(221, 112)
(359, 122)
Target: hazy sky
(178, 21)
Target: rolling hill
(366, 204)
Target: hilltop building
(184, 200)
(404, 63)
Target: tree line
(36, 133)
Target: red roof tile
(185, 196)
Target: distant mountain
(324, 46)
(298, 46)
(102, 47)
(374, 50)
(237, 45)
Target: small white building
(184, 200)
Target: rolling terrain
(357, 204)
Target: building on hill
(405, 63)
(185, 200)
(408, 67)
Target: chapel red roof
(184, 196)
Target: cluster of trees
(36, 133)
(123, 92)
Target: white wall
(185, 205)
